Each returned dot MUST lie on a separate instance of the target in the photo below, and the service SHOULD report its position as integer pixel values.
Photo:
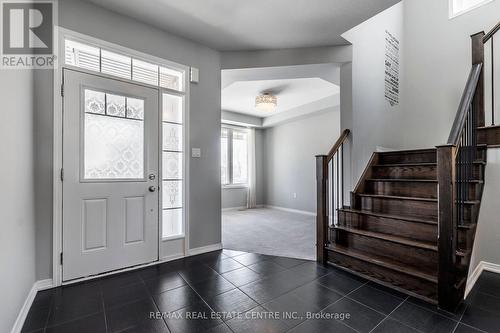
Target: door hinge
(61, 257)
(62, 90)
(62, 174)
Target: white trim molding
(204, 249)
(62, 34)
(290, 210)
(23, 313)
(482, 266)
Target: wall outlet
(196, 152)
(294, 195)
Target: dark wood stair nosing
(409, 151)
(389, 238)
(402, 180)
(402, 165)
(390, 216)
(382, 262)
(393, 197)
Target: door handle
(152, 189)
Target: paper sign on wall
(391, 69)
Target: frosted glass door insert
(113, 136)
(173, 165)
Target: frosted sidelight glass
(172, 222)
(172, 137)
(172, 194)
(172, 165)
(172, 108)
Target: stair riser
(423, 209)
(403, 189)
(409, 172)
(416, 172)
(406, 158)
(393, 278)
(413, 230)
(405, 254)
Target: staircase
(389, 234)
(412, 217)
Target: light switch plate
(196, 152)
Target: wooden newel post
(322, 207)
(447, 231)
(478, 58)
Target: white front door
(110, 172)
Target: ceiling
(292, 93)
(253, 25)
(301, 90)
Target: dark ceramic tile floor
(232, 291)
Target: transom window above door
(98, 59)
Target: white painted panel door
(110, 187)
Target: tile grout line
(397, 307)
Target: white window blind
(105, 61)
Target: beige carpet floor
(270, 231)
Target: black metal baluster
(492, 81)
(343, 178)
(338, 183)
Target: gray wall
(290, 165)
(436, 60)
(487, 244)
(204, 124)
(237, 197)
(17, 239)
(286, 57)
(374, 122)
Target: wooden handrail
(337, 144)
(467, 97)
(491, 33)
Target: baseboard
(23, 313)
(228, 209)
(290, 210)
(204, 249)
(482, 266)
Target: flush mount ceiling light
(266, 102)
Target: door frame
(58, 99)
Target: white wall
(437, 63)
(204, 123)
(290, 164)
(487, 244)
(436, 60)
(17, 239)
(374, 121)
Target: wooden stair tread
(409, 151)
(390, 216)
(384, 262)
(399, 165)
(389, 238)
(396, 197)
(409, 180)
